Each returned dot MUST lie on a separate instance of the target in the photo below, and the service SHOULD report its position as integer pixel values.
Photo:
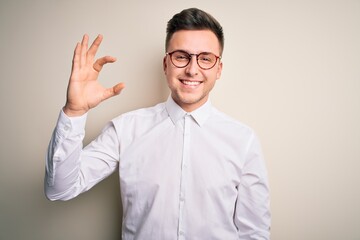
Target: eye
(181, 56)
(206, 58)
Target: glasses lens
(206, 60)
(180, 58)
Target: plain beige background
(291, 72)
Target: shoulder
(142, 112)
(227, 121)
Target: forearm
(62, 180)
(72, 169)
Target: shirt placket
(184, 163)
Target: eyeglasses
(205, 60)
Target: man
(187, 171)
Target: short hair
(194, 19)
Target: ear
(219, 70)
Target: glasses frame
(190, 57)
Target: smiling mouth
(190, 83)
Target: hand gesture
(84, 90)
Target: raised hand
(84, 90)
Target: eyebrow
(204, 52)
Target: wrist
(73, 113)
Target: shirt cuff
(73, 125)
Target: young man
(187, 171)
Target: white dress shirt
(198, 175)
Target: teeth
(191, 83)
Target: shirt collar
(175, 112)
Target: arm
(252, 213)
(70, 169)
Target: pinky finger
(76, 57)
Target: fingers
(84, 47)
(95, 46)
(98, 65)
(83, 55)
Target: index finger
(95, 45)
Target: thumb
(115, 90)
(118, 88)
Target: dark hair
(194, 19)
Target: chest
(167, 156)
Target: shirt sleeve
(252, 213)
(72, 169)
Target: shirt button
(182, 198)
(66, 128)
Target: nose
(192, 68)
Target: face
(190, 86)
